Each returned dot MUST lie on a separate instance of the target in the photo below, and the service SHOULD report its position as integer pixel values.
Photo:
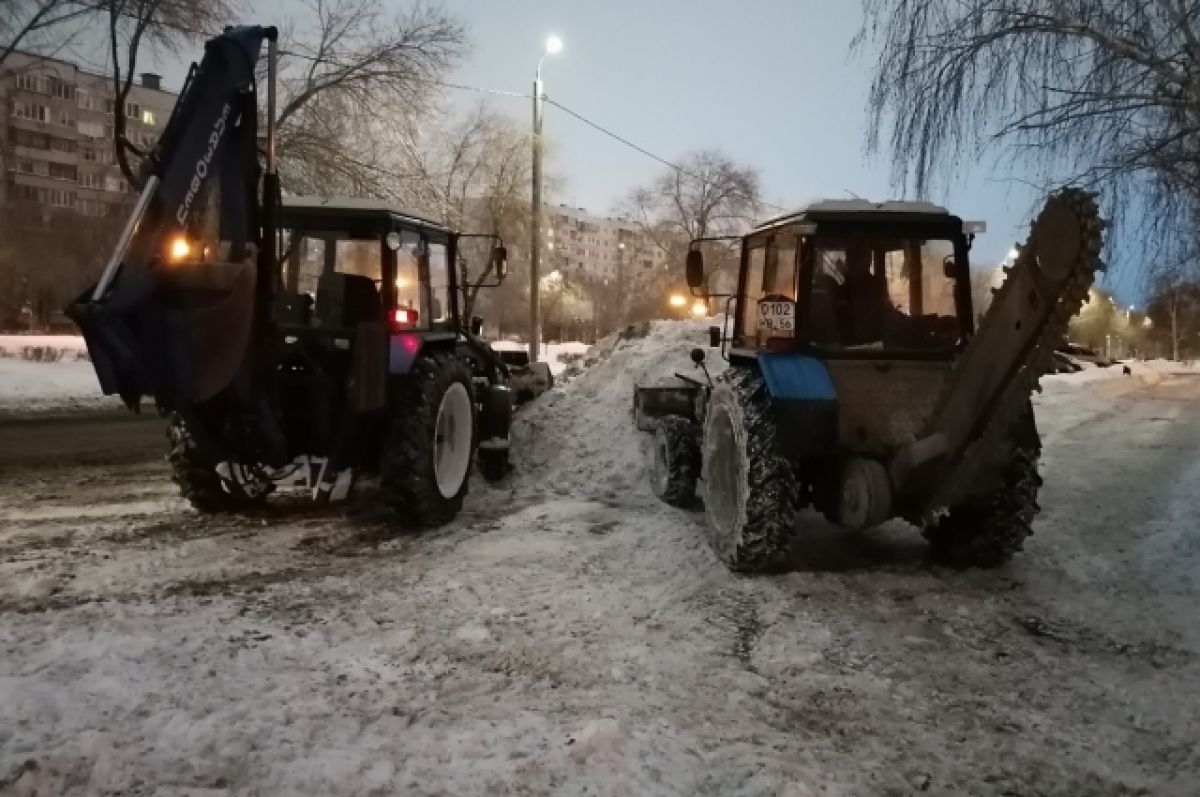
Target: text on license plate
(777, 316)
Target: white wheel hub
(726, 474)
(452, 437)
(660, 472)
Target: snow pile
(43, 348)
(44, 386)
(582, 436)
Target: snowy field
(66, 347)
(569, 634)
(41, 387)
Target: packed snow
(569, 634)
(581, 437)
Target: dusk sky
(770, 82)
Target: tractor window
(770, 290)
(883, 294)
(439, 284)
(304, 262)
(752, 292)
(779, 274)
(359, 257)
(408, 275)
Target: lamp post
(553, 45)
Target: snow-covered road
(574, 636)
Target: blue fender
(796, 377)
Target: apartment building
(585, 246)
(56, 145)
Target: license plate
(777, 317)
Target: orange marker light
(180, 248)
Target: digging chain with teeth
(989, 450)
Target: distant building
(56, 144)
(584, 246)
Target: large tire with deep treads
(751, 490)
(426, 460)
(198, 480)
(988, 530)
(675, 467)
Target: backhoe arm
(172, 313)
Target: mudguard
(803, 400)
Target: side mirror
(476, 326)
(698, 355)
(500, 261)
(714, 340)
(695, 269)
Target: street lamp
(553, 45)
(700, 308)
(677, 300)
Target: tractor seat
(346, 300)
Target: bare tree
(1174, 307)
(709, 196)
(478, 177)
(1101, 93)
(352, 84)
(31, 23)
(137, 25)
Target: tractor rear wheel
(199, 482)
(986, 531)
(676, 464)
(752, 493)
(426, 460)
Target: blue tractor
(292, 341)
(860, 385)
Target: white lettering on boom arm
(200, 172)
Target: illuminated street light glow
(700, 308)
(554, 44)
(677, 300)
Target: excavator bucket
(179, 334)
(174, 311)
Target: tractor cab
(853, 279)
(365, 290)
(350, 261)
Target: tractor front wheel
(427, 457)
(751, 490)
